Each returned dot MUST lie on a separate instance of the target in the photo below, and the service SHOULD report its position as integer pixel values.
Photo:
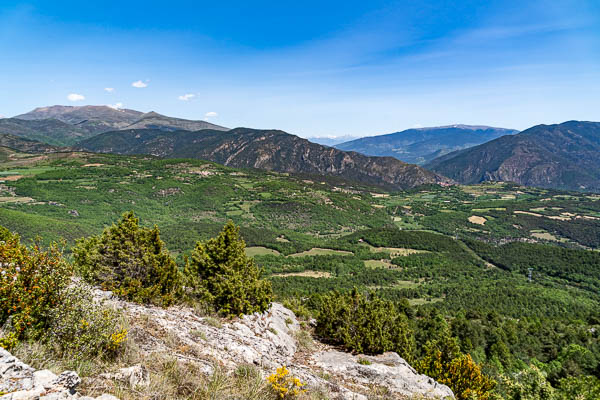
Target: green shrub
(364, 324)
(32, 283)
(529, 384)
(5, 234)
(131, 261)
(443, 361)
(83, 328)
(221, 273)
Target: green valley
(461, 253)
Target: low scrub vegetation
(39, 304)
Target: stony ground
(266, 341)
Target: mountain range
(420, 145)
(271, 150)
(331, 140)
(563, 156)
(66, 125)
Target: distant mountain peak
(151, 114)
(462, 126)
(561, 156)
(420, 145)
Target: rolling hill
(562, 156)
(421, 145)
(270, 150)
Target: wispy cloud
(186, 97)
(75, 97)
(109, 89)
(139, 84)
(211, 114)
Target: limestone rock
(21, 382)
(136, 375)
(387, 370)
(268, 340)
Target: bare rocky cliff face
(267, 340)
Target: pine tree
(222, 273)
(444, 362)
(130, 260)
(364, 324)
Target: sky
(311, 68)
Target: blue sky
(312, 68)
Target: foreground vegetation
(492, 289)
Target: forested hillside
(463, 270)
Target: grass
(254, 251)
(316, 251)
(421, 301)
(378, 264)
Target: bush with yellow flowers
(32, 283)
(285, 385)
(444, 362)
(83, 328)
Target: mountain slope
(65, 125)
(563, 156)
(264, 149)
(424, 144)
(153, 120)
(331, 140)
(92, 119)
(51, 131)
(25, 145)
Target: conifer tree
(444, 362)
(364, 324)
(222, 273)
(130, 260)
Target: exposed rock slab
(387, 370)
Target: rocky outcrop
(387, 370)
(19, 381)
(269, 340)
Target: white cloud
(109, 89)
(211, 114)
(187, 97)
(75, 97)
(139, 84)
(116, 106)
